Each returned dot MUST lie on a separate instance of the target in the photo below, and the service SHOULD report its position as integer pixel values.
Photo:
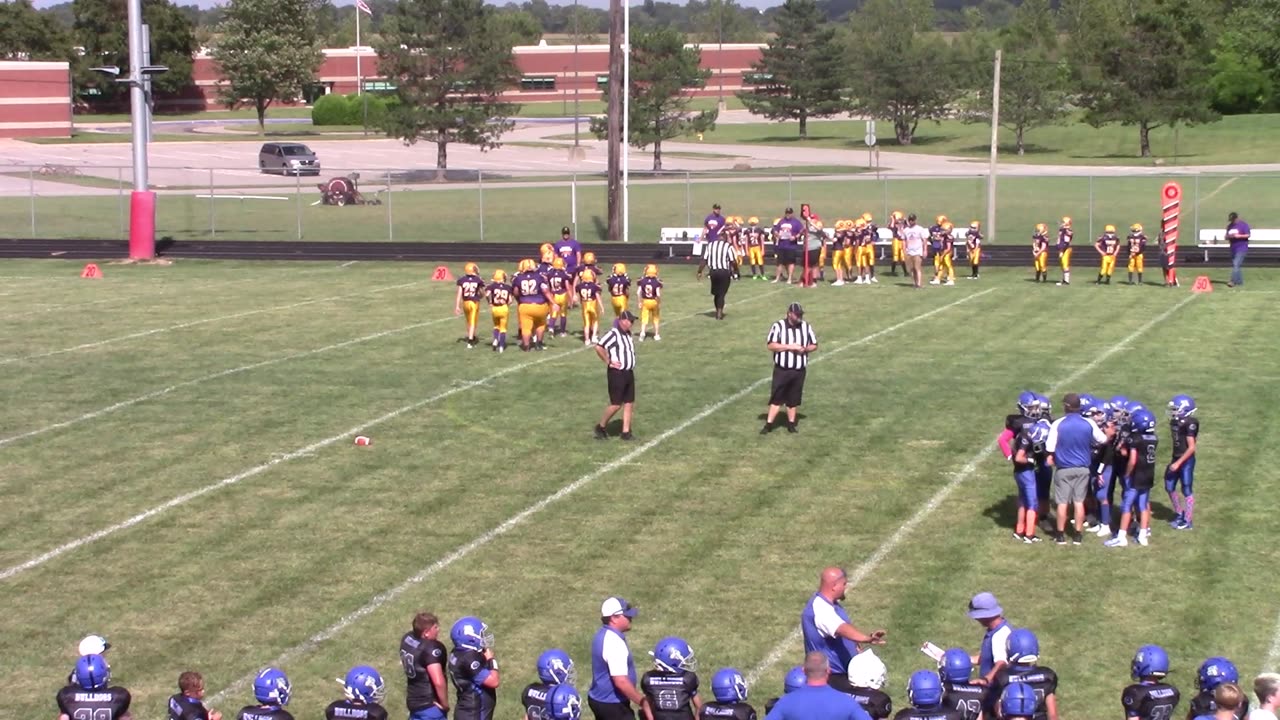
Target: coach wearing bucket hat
(613, 671)
(987, 611)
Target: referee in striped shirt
(723, 261)
(619, 355)
(791, 339)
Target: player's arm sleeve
(1193, 429)
(1130, 699)
(1005, 442)
(999, 645)
(615, 653)
(825, 617)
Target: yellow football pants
(1042, 262)
(1064, 258)
(1136, 263)
(500, 313)
(650, 311)
(1108, 265)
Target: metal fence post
(480, 179)
(1195, 212)
(120, 201)
(1091, 206)
(213, 223)
(297, 184)
(31, 196)
(884, 187)
(790, 200)
(688, 198)
(391, 225)
(573, 204)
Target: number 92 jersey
(106, 704)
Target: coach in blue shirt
(817, 700)
(827, 629)
(1070, 448)
(613, 672)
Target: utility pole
(615, 138)
(995, 140)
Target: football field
(177, 473)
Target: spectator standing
(423, 657)
(787, 234)
(827, 630)
(791, 339)
(817, 700)
(914, 237)
(569, 250)
(993, 656)
(720, 257)
(188, 704)
(1267, 689)
(713, 224)
(618, 352)
(1070, 448)
(613, 671)
(1238, 233)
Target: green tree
(268, 52)
(450, 65)
(1240, 82)
(1246, 66)
(899, 70)
(799, 74)
(102, 29)
(520, 27)
(1151, 69)
(716, 21)
(663, 72)
(28, 34)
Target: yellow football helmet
(897, 215)
(548, 256)
(1066, 221)
(545, 248)
(651, 270)
(947, 226)
(1109, 229)
(588, 275)
(941, 219)
(588, 258)
(557, 262)
(526, 265)
(753, 220)
(777, 220)
(499, 276)
(867, 216)
(859, 223)
(1136, 227)
(975, 224)
(619, 269)
(470, 269)
(1041, 228)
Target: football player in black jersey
(1139, 478)
(555, 667)
(1150, 698)
(867, 675)
(924, 692)
(272, 690)
(1214, 672)
(422, 656)
(1185, 428)
(1023, 651)
(364, 691)
(90, 695)
(473, 669)
(671, 688)
(730, 692)
(188, 703)
(792, 682)
(1017, 702)
(955, 668)
(1029, 455)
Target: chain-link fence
(489, 206)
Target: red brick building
(35, 99)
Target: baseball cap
(617, 606)
(984, 606)
(716, 206)
(94, 645)
(565, 230)
(627, 315)
(796, 308)
(789, 211)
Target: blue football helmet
(795, 680)
(728, 686)
(564, 703)
(955, 666)
(1150, 661)
(866, 670)
(1027, 403)
(471, 633)
(1022, 647)
(1181, 406)
(1045, 405)
(272, 687)
(672, 655)
(92, 672)
(1143, 421)
(924, 689)
(1039, 432)
(1089, 404)
(556, 667)
(1018, 701)
(364, 684)
(1214, 672)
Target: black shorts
(622, 386)
(786, 256)
(814, 256)
(610, 711)
(720, 281)
(788, 387)
(840, 682)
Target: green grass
(1233, 140)
(510, 212)
(716, 532)
(238, 114)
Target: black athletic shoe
(1076, 538)
(791, 428)
(766, 429)
(601, 433)
(627, 436)
(1059, 539)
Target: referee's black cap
(627, 315)
(796, 309)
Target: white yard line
(295, 454)
(202, 321)
(872, 563)
(1217, 190)
(519, 518)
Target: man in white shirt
(1267, 687)
(914, 237)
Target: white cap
(617, 606)
(94, 645)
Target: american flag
(363, 7)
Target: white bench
(1258, 237)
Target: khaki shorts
(1070, 485)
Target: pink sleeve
(1004, 440)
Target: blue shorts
(1135, 499)
(1044, 481)
(1027, 490)
(1186, 474)
(1104, 487)
(427, 713)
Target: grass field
(510, 212)
(1233, 140)
(178, 474)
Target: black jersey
(106, 704)
(185, 707)
(1144, 471)
(670, 694)
(1182, 429)
(416, 655)
(966, 698)
(1015, 423)
(263, 712)
(350, 710)
(1203, 704)
(734, 710)
(468, 670)
(1043, 681)
(768, 704)
(1150, 701)
(1036, 452)
(534, 698)
(1104, 455)
(939, 713)
(875, 702)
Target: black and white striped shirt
(719, 255)
(621, 349)
(801, 334)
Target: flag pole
(359, 80)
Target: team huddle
(1126, 459)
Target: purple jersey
(712, 226)
(530, 288)
(618, 285)
(588, 292)
(558, 281)
(787, 233)
(472, 287)
(649, 288)
(568, 250)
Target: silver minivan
(288, 158)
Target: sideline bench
(1258, 237)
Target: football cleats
(363, 684)
(556, 667)
(471, 633)
(272, 687)
(924, 689)
(1150, 661)
(672, 655)
(727, 685)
